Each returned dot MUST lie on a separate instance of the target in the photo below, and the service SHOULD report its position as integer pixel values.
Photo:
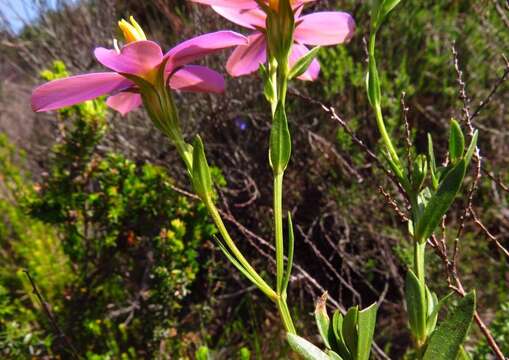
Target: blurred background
(95, 213)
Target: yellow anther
(132, 31)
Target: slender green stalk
(272, 64)
(175, 135)
(419, 262)
(279, 81)
(285, 315)
(278, 230)
(378, 109)
(385, 135)
(216, 217)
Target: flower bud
(280, 26)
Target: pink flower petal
(239, 4)
(124, 102)
(76, 89)
(249, 18)
(324, 28)
(246, 59)
(199, 46)
(197, 78)
(136, 58)
(313, 70)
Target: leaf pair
(446, 341)
(447, 182)
(280, 148)
(423, 308)
(347, 337)
(381, 9)
(202, 180)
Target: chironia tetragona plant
(277, 48)
(430, 190)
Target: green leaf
(350, 333)
(303, 63)
(333, 355)
(433, 315)
(440, 202)
(388, 6)
(367, 322)
(432, 163)
(202, 353)
(336, 338)
(202, 180)
(291, 246)
(380, 12)
(236, 263)
(446, 340)
(463, 354)
(280, 141)
(420, 170)
(471, 148)
(304, 348)
(322, 319)
(415, 296)
(456, 142)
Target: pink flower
(319, 28)
(143, 59)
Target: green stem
(378, 109)
(279, 79)
(218, 221)
(419, 262)
(419, 269)
(272, 64)
(278, 230)
(385, 135)
(285, 315)
(216, 217)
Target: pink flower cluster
(143, 58)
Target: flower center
(132, 31)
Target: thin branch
(54, 323)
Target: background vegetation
(94, 207)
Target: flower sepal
(280, 26)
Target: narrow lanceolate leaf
(303, 63)
(202, 180)
(350, 333)
(322, 319)
(432, 163)
(446, 340)
(433, 316)
(415, 296)
(463, 354)
(456, 142)
(336, 338)
(291, 246)
(304, 348)
(471, 148)
(236, 263)
(333, 355)
(440, 202)
(381, 10)
(387, 7)
(366, 329)
(280, 141)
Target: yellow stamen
(132, 31)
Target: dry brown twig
(51, 318)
